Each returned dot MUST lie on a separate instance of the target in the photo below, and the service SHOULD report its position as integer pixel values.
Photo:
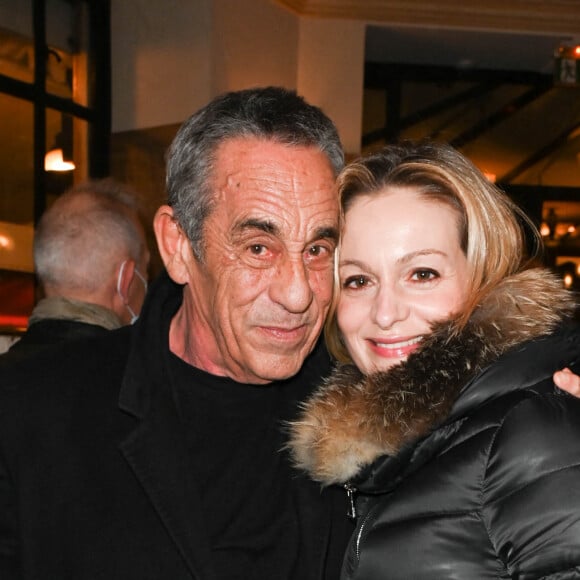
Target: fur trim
(353, 419)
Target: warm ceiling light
(54, 161)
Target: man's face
(257, 303)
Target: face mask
(134, 316)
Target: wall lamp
(59, 157)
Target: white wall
(161, 61)
(330, 73)
(170, 58)
(255, 43)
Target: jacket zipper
(359, 535)
(351, 490)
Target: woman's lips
(395, 348)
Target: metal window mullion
(39, 139)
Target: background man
(91, 259)
(155, 452)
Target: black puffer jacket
(465, 459)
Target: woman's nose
(389, 307)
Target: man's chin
(275, 368)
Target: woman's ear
(173, 244)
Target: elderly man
(91, 259)
(155, 453)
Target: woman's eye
(355, 282)
(424, 275)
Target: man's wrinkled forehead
(300, 173)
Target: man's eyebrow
(326, 233)
(266, 226)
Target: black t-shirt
(248, 489)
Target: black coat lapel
(156, 450)
(157, 453)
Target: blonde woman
(443, 423)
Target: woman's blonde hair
(492, 228)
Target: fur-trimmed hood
(352, 419)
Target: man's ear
(124, 278)
(173, 244)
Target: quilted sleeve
(531, 488)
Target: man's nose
(291, 288)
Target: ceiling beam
(440, 106)
(548, 149)
(498, 117)
(545, 17)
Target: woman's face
(401, 268)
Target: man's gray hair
(271, 113)
(79, 238)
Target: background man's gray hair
(86, 233)
(270, 113)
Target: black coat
(58, 319)
(46, 333)
(464, 460)
(95, 477)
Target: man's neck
(196, 345)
